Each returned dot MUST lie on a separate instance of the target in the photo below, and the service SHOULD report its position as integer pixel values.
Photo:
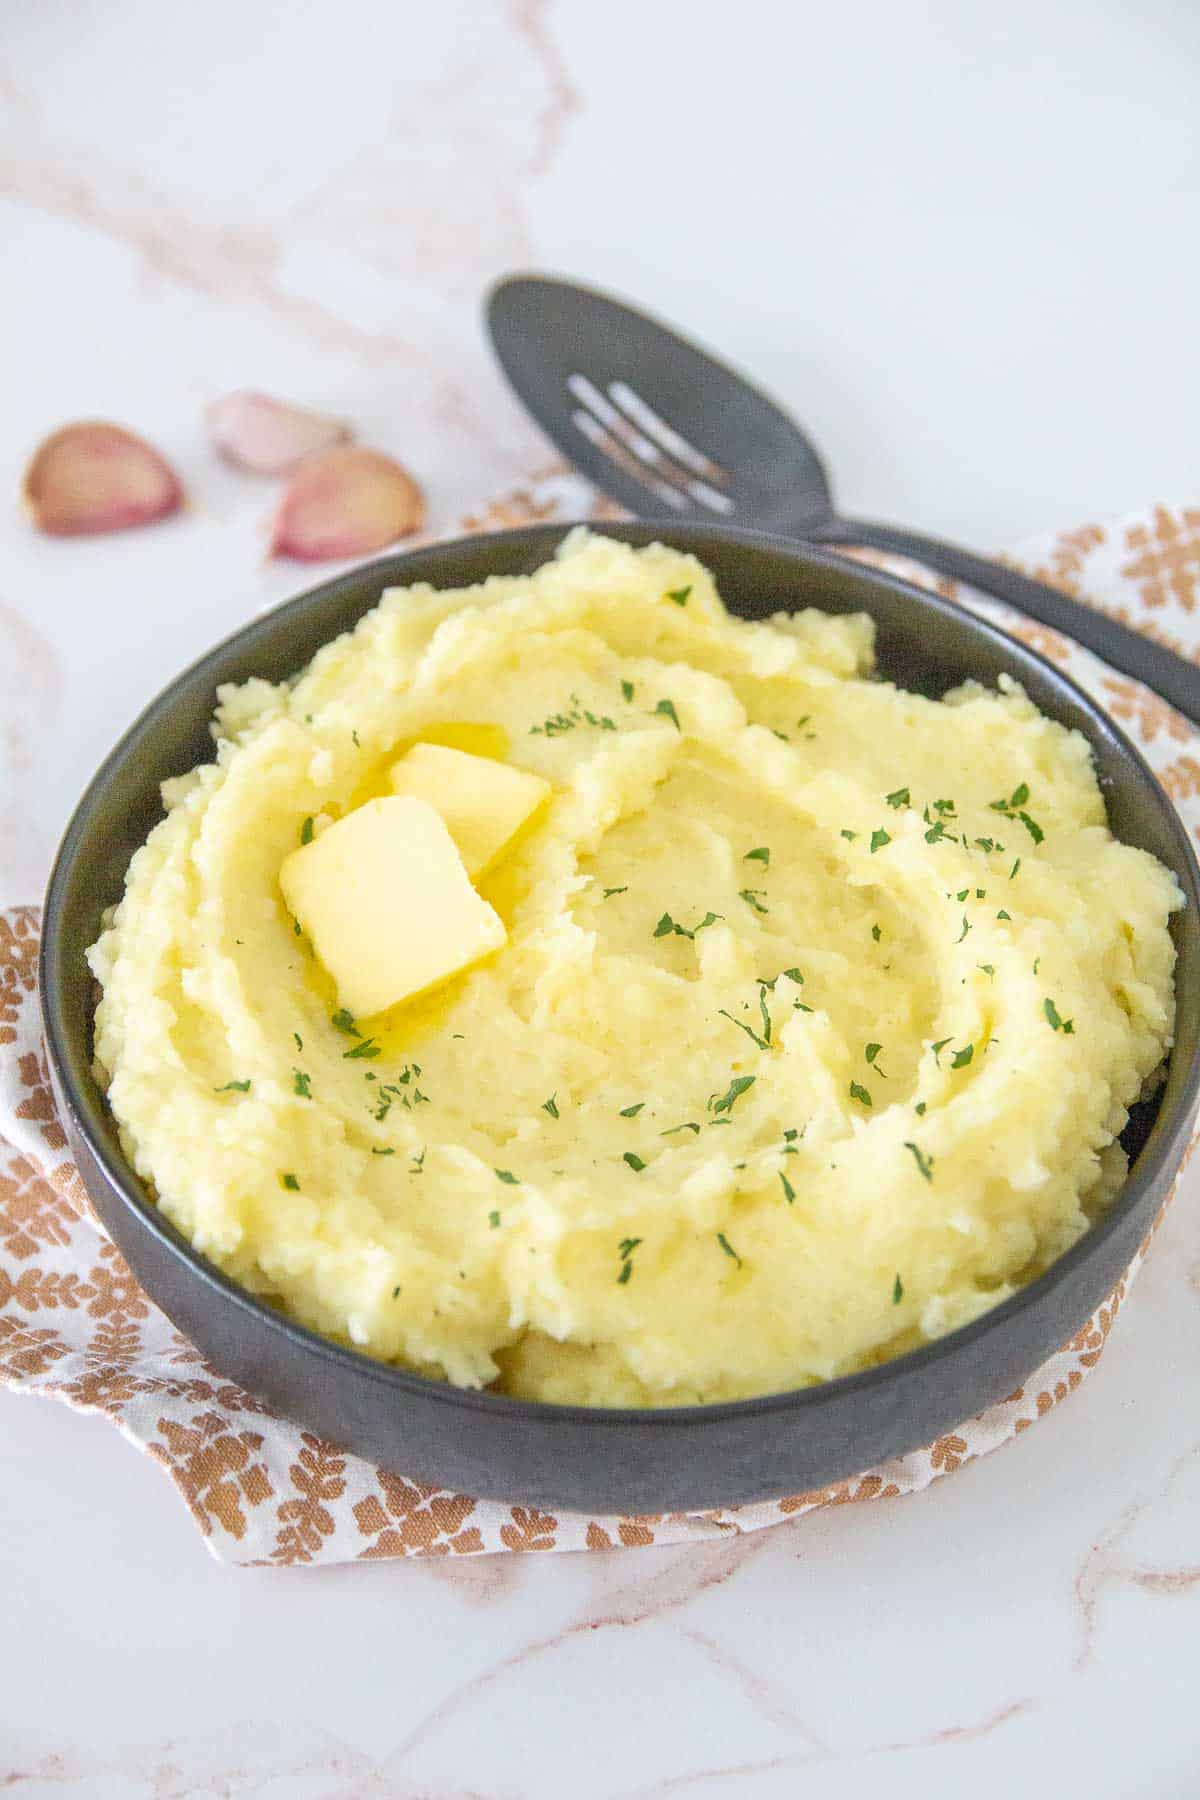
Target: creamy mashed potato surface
(821, 1007)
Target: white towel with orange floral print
(75, 1325)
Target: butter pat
(386, 902)
(483, 803)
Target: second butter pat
(387, 904)
(484, 803)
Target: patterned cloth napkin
(75, 1325)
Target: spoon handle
(1177, 680)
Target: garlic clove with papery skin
(268, 436)
(346, 502)
(93, 477)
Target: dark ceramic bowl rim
(1163, 1141)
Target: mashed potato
(821, 1008)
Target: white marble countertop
(957, 242)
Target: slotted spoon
(669, 432)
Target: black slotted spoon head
(669, 432)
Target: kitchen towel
(74, 1325)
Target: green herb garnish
(961, 1058)
(679, 595)
(507, 1176)
(233, 1087)
(924, 1163)
(728, 1248)
(365, 1048)
(493, 1220)
(789, 1192)
(551, 1106)
(897, 1291)
(879, 839)
(635, 1162)
(302, 1084)
(859, 1093)
(737, 1087)
(742, 1026)
(609, 892)
(849, 835)
(306, 830)
(762, 855)
(1056, 1021)
(901, 797)
(876, 933)
(667, 709)
(388, 1152)
(686, 1126)
(343, 1020)
(627, 689)
(290, 1182)
(751, 897)
(625, 1250)
(965, 928)
(631, 1112)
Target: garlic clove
(254, 431)
(346, 502)
(91, 477)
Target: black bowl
(577, 1457)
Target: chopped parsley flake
(966, 926)
(742, 1026)
(365, 1048)
(1004, 915)
(762, 855)
(387, 1152)
(625, 1250)
(493, 1220)
(924, 1163)
(343, 1020)
(296, 928)
(988, 969)
(631, 1112)
(919, 1109)
(1056, 1020)
(876, 933)
(737, 1087)
(961, 1058)
(551, 1106)
(666, 925)
(627, 689)
(897, 1291)
(686, 1126)
(751, 897)
(418, 1164)
(872, 1051)
(507, 1176)
(879, 839)
(609, 892)
(306, 830)
(354, 740)
(233, 1087)
(395, 1293)
(938, 1048)
(302, 1084)
(728, 1248)
(679, 595)
(859, 1093)
(901, 797)
(297, 1040)
(290, 1182)
(635, 1162)
(789, 1192)
(849, 835)
(559, 723)
(667, 708)
(1013, 870)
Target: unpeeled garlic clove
(347, 502)
(254, 431)
(92, 477)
